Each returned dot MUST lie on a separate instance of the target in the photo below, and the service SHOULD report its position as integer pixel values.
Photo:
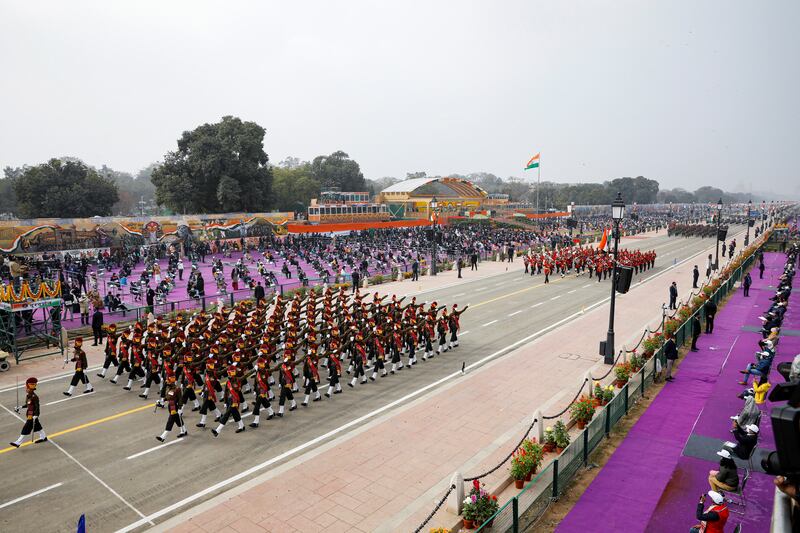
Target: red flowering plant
(484, 505)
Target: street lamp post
(747, 235)
(719, 216)
(434, 216)
(763, 214)
(617, 212)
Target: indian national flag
(533, 162)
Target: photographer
(713, 519)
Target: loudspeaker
(722, 233)
(624, 278)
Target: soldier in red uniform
(210, 388)
(311, 374)
(111, 351)
(287, 383)
(31, 415)
(262, 391)
(79, 358)
(233, 398)
(173, 399)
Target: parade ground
(375, 458)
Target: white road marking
(154, 448)
(51, 378)
(459, 294)
(587, 285)
(463, 333)
(73, 397)
(556, 297)
(489, 323)
(500, 284)
(570, 292)
(481, 289)
(536, 305)
(516, 312)
(31, 495)
(144, 519)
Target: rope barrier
(525, 436)
(585, 381)
(609, 370)
(435, 509)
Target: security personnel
(31, 415)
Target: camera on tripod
(785, 460)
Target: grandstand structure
(335, 206)
(411, 198)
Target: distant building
(411, 198)
(337, 207)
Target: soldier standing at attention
(79, 358)
(31, 415)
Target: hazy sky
(689, 92)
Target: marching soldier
(79, 358)
(262, 391)
(111, 351)
(233, 398)
(31, 415)
(287, 383)
(173, 398)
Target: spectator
(760, 390)
(415, 270)
(695, 276)
(714, 518)
(180, 269)
(474, 261)
(460, 265)
(727, 477)
(761, 270)
(746, 440)
(150, 298)
(671, 353)
(761, 368)
(97, 327)
(83, 307)
(750, 414)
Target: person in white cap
(746, 440)
(727, 477)
(713, 519)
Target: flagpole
(538, 181)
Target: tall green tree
(216, 168)
(293, 188)
(63, 189)
(338, 170)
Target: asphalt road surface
(108, 465)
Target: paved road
(108, 465)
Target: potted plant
(562, 436)
(485, 509)
(549, 440)
(685, 312)
(439, 530)
(597, 394)
(519, 468)
(636, 362)
(582, 411)
(650, 345)
(468, 513)
(623, 373)
(671, 326)
(535, 454)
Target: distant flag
(533, 162)
(604, 240)
(82, 524)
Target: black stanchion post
(515, 514)
(555, 478)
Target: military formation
(693, 230)
(589, 260)
(255, 354)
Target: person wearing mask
(746, 440)
(727, 477)
(673, 296)
(710, 309)
(713, 519)
(746, 284)
(760, 390)
(97, 326)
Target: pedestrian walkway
(654, 479)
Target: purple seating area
(654, 479)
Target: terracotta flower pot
(620, 383)
(581, 423)
(469, 524)
(528, 476)
(559, 449)
(519, 483)
(548, 447)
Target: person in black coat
(671, 353)
(696, 329)
(746, 284)
(710, 309)
(695, 276)
(150, 298)
(673, 296)
(258, 292)
(97, 327)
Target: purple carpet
(649, 484)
